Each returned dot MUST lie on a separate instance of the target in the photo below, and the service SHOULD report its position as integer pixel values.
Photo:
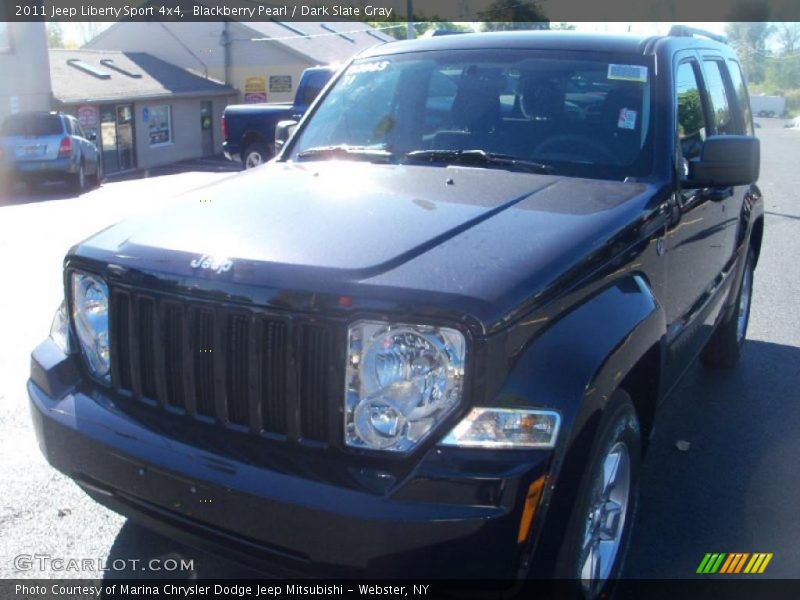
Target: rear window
(32, 125)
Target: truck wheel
(725, 345)
(601, 522)
(78, 180)
(255, 155)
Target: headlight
(402, 381)
(59, 330)
(505, 428)
(90, 315)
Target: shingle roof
(323, 42)
(87, 75)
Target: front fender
(573, 367)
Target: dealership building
(144, 111)
(263, 60)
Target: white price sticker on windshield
(628, 73)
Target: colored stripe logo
(735, 562)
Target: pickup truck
(248, 130)
(437, 345)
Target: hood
(354, 218)
(478, 241)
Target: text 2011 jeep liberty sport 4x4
(431, 336)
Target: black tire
(255, 155)
(97, 179)
(618, 434)
(78, 180)
(723, 349)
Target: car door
(88, 149)
(695, 242)
(727, 120)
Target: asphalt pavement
(735, 489)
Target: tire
(723, 349)
(97, 179)
(78, 180)
(618, 442)
(255, 155)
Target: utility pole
(410, 33)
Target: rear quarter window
(743, 99)
(720, 98)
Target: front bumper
(457, 514)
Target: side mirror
(725, 161)
(92, 136)
(283, 131)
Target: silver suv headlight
(402, 381)
(90, 315)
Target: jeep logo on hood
(220, 265)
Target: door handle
(718, 194)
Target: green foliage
(55, 37)
(749, 39)
(690, 113)
(506, 15)
(793, 103)
(782, 73)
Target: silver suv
(40, 146)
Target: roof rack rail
(686, 31)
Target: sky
(73, 32)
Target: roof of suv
(561, 40)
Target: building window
(159, 124)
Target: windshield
(577, 113)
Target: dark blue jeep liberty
(429, 338)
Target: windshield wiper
(480, 157)
(343, 151)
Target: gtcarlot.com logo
(47, 562)
(735, 562)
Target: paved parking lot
(735, 490)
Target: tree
(55, 36)
(788, 35)
(749, 39)
(506, 15)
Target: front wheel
(725, 345)
(255, 155)
(600, 525)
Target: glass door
(127, 159)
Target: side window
(691, 119)
(724, 123)
(737, 78)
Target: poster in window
(159, 125)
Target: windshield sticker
(368, 67)
(628, 73)
(626, 119)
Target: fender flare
(567, 370)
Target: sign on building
(255, 90)
(280, 84)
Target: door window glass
(691, 121)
